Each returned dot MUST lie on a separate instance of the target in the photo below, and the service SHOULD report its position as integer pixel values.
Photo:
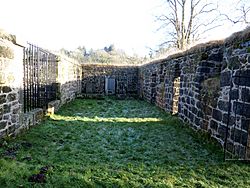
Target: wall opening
(109, 86)
(176, 95)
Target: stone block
(191, 116)
(203, 69)
(185, 112)
(234, 94)
(225, 79)
(3, 124)
(197, 121)
(12, 97)
(2, 99)
(223, 105)
(245, 124)
(16, 110)
(192, 101)
(240, 151)
(6, 108)
(204, 124)
(199, 105)
(6, 117)
(207, 64)
(231, 119)
(242, 109)
(38, 115)
(14, 118)
(53, 106)
(194, 110)
(216, 56)
(245, 95)
(6, 89)
(217, 114)
(239, 136)
(200, 114)
(222, 130)
(213, 125)
(242, 78)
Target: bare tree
(186, 21)
(241, 14)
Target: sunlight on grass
(102, 119)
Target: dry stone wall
(95, 78)
(209, 86)
(69, 79)
(10, 85)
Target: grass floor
(115, 143)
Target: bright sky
(53, 24)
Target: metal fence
(40, 73)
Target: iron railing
(40, 73)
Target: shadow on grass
(117, 144)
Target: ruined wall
(94, 77)
(10, 84)
(198, 84)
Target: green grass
(116, 143)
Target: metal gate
(237, 142)
(40, 73)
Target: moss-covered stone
(6, 36)
(6, 52)
(210, 90)
(204, 56)
(233, 63)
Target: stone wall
(10, 84)
(69, 79)
(197, 83)
(12, 117)
(95, 78)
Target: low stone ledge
(30, 119)
(53, 106)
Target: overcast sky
(53, 24)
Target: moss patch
(210, 90)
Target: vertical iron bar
(32, 78)
(38, 77)
(30, 81)
(24, 80)
(34, 75)
(36, 72)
